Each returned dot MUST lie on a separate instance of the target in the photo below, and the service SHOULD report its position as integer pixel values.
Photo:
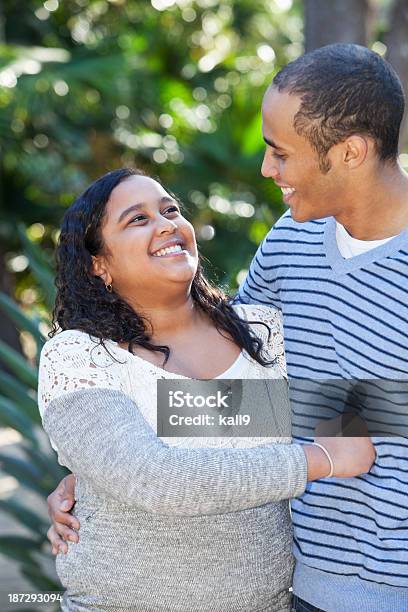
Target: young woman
(185, 525)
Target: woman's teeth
(173, 249)
(287, 190)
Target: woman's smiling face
(148, 245)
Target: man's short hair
(345, 89)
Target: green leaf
(14, 390)
(18, 548)
(47, 464)
(36, 576)
(34, 250)
(19, 365)
(25, 473)
(10, 416)
(21, 320)
(26, 517)
(39, 266)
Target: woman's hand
(351, 457)
(60, 502)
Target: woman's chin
(182, 274)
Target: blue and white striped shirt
(344, 319)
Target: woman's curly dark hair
(83, 303)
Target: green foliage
(172, 87)
(35, 469)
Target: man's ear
(99, 269)
(355, 150)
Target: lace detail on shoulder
(270, 329)
(71, 361)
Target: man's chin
(300, 216)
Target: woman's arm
(102, 437)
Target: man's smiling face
(292, 162)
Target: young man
(336, 264)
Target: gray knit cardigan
(169, 529)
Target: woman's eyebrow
(140, 205)
(130, 209)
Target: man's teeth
(173, 249)
(287, 190)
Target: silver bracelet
(330, 460)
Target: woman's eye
(172, 209)
(141, 218)
(138, 218)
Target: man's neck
(378, 206)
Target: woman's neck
(167, 320)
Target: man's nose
(270, 167)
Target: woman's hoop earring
(108, 287)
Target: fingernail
(66, 505)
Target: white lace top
(72, 360)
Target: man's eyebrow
(272, 144)
(140, 205)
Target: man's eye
(279, 156)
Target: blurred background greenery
(170, 86)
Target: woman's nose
(166, 226)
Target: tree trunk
(397, 53)
(331, 21)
